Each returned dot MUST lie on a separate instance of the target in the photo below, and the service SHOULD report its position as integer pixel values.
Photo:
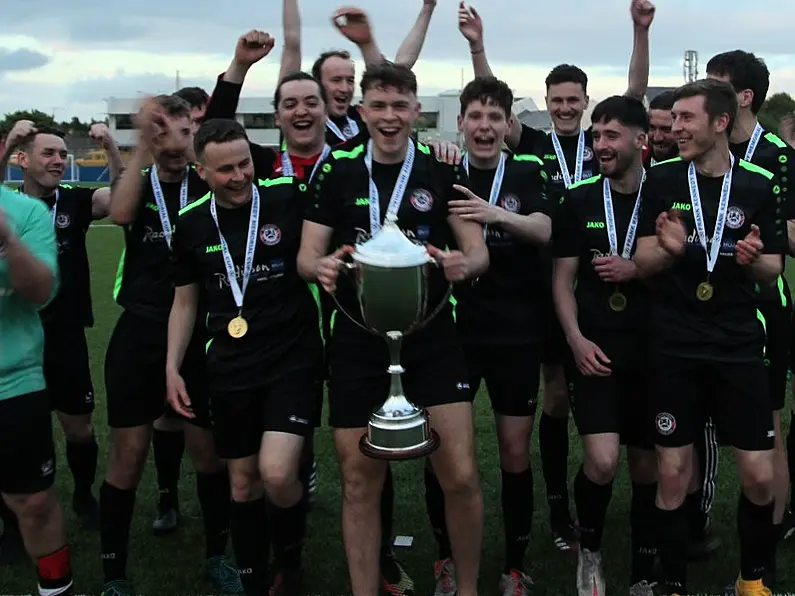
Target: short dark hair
(719, 98)
(567, 73)
(174, 106)
(317, 67)
(196, 97)
(26, 143)
(217, 130)
(745, 71)
(389, 74)
(488, 90)
(298, 76)
(663, 101)
(628, 111)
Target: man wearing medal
(420, 187)
(145, 201)
(750, 78)
(265, 356)
(702, 266)
(568, 158)
(499, 314)
(604, 320)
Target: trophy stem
(396, 404)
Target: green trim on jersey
(351, 154)
(755, 169)
(195, 203)
(528, 157)
(591, 180)
(776, 140)
(275, 181)
(119, 276)
(659, 163)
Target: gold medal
(617, 302)
(237, 327)
(704, 291)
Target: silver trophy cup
(391, 276)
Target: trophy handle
(349, 267)
(440, 306)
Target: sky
(68, 58)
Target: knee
(514, 452)
(126, 462)
(674, 471)
(79, 431)
(201, 447)
(460, 481)
(756, 476)
(246, 484)
(34, 510)
(278, 477)
(601, 467)
(359, 487)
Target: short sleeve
(324, 200)
(530, 139)
(650, 209)
(185, 267)
(534, 198)
(565, 232)
(771, 221)
(38, 236)
(85, 206)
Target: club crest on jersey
(587, 154)
(510, 203)
(735, 218)
(62, 220)
(270, 235)
(665, 423)
(421, 200)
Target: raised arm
(642, 12)
(409, 51)
(291, 45)
(100, 200)
(353, 23)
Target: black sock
(696, 518)
(82, 460)
(592, 501)
(517, 515)
(641, 523)
(387, 512)
(304, 475)
(10, 521)
(116, 507)
(672, 536)
(553, 442)
(168, 447)
(250, 533)
(434, 503)
(215, 501)
(791, 461)
(757, 540)
(55, 572)
(288, 528)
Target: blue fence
(80, 173)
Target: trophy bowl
(391, 275)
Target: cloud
(22, 59)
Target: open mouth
(389, 131)
(341, 102)
(606, 159)
(302, 124)
(484, 143)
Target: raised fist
(253, 47)
(100, 134)
(353, 23)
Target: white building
(438, 118)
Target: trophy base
(424, 449)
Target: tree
(40, 119)
(774, 109)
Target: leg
(168, 446)
(642, 463)
(701, 493)
(11, 547)
(82, 452)
(454, 464)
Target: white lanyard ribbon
(753, 142)
(238, 290)
(160, 201)
(496, 184)
(55, 206)
(351, 129)
(289, 170)
(610, 220)
(397, 193)
(698, 214)
(564, 168)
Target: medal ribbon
(160, 201)
(496, 184)
(351, 129)
(698, 214)
(564, 168)
(287, 164)
(397, 192)
(753, 142)
(55, 205)
(610, 220)
(238, 291)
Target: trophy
(391, 276)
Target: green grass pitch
(172, 565)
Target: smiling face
(337, 75)
(485, 126)
(43, 160)
(617, 146)
(694, 130)
(228, 169)
(661, 137)
(566, 104)
(301, 113)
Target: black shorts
(67, 370)
(135, 374)
(685, 392)
(616, 404)
(27, 452)
(778, 329)
(286, 401)
(511, 373)
(556, 350)
(435, 374)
